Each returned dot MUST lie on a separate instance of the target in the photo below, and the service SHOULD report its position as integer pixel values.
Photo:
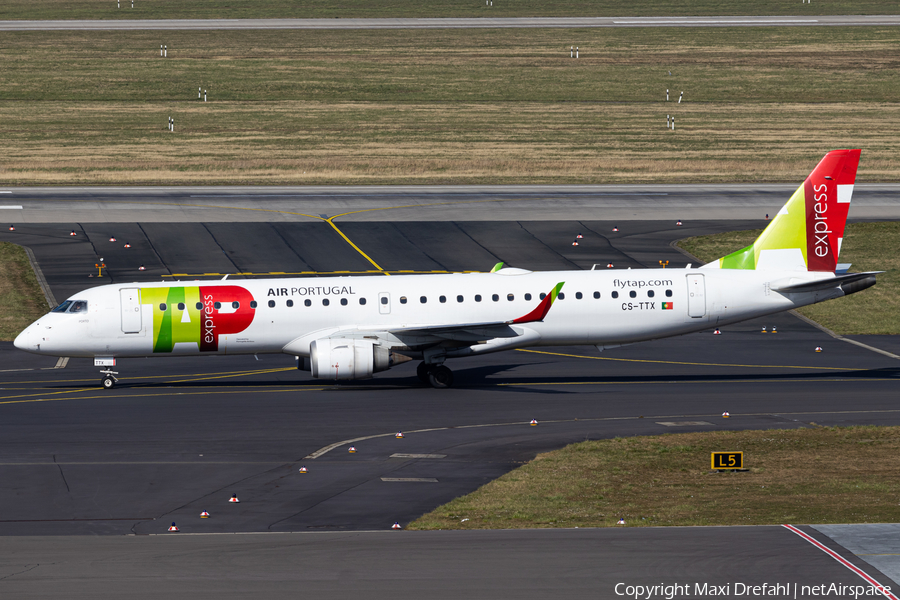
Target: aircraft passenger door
(696, 296)
(131, 310)
(384, 303)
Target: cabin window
(459, 298)
(668, 293)
(615, 294)
(443, 299)
(199, 306)
(252, 304)
(289, 303)
(632, 294)
(402, 299)
(162, 307)
(271, 304)
(578, 296)
(510, 297)
(384, 300)
(423, 299)
(325, 302)
(650, 293)
(307, 302)
(495, 297)
(343, 302)
(596, 295)
(477, 297)
(527, 297)
(181, 306)
(235, 305)
(62, 307)
(363, 301)
(561, 296)
(543, 295)
(218, 305)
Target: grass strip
(449, 106)
(817, 475)
(868, 246)
(246, 9)
(21, 298)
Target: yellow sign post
(727, 460)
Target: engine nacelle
(338, 358)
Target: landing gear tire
(422, 371)
(440, 377)
(109, 382)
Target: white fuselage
(603, 308)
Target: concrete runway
(419, 203)
(181, 436)
(472, 23)
(539, 564)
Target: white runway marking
(868, 578)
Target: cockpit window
(62, 307)
(78, 306)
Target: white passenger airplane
(352, 327)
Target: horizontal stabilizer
(827, 284)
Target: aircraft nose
(23, 341)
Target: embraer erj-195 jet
(352, 327)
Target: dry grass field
(818, 475)
(21, 298)
(236, 9)
(449, 106)
(868, 247)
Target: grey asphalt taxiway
(180, 436)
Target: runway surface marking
(326, 449)
(302, 387)
(330, 220)
(107, 396)
(711, 21)
(868, 578)
(838, 336)
(867, 347)
(695, 364)
(144, 462)
(670, 381)
(157, 377)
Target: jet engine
(338, 358)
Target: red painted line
(841, 560)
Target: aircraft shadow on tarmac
(477, 377)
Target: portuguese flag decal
(667, 305)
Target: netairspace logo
(731, 590)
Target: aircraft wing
(473, 332)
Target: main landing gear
(438, 376)
(109, 379)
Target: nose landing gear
(109, 379)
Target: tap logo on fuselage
(197, 315)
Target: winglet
(497, 267)
(543, 308)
